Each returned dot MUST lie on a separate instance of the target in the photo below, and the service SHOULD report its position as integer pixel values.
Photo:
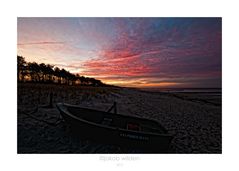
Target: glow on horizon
(130, 52)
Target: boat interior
(117, 120)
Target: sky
(130, 52)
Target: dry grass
(32, 94)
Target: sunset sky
(134, 52)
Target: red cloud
(116, 64)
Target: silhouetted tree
(21, 68)
(83, 80)
(50, 72)
(57, 74)
(63, 75)
(43, 71)
(46, 74)
(34, 71)
(72, 78)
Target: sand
(193, 118)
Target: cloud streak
(40, 43)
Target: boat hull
(150, 142)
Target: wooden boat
(118, 129)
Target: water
(185, 90)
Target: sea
(185, 90)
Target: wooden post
(113, 107)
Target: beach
(194, 119)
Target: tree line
(46, 73)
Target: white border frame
(11, 9)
